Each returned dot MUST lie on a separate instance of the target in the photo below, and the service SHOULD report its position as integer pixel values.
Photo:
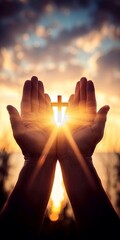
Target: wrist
(71, 156)
(30, 159)
(34, 169)
(34, 160)
(82, 165)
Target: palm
(34, 133)
(33, 128)
(85, 137)
(85, 125)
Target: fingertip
(107, 108)
(27, 85)
(26, 82)
(104, 109)
(83, 79)
(71, 98)
(9, 108)
(41, 86)
(90, 85)
(47, 97)
(12, 111)
(77, 84)
(34, 78)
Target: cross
(59, 104)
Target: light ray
(79, 156)
(44, 154)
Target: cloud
(106, 11)
(110, 60)
(108, 72)
(59, 4)
(90, 41)
(111, 10)
(20, 17)
(59, 55)
(16, 18)
(9, 8)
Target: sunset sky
(59, 42)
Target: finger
(26, 98)
(41, 95)
(71, 100)
(48, 103)
(83, 86)
(91, 100)
(34, 94)
(15, 120)
(100, 120)
(47, 99)
(70, 103)
(77, 94)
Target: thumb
(100, 120)
(15, 119)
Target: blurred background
(60, 42)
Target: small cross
(59, 104)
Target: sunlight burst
(60, 117)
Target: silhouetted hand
(33, 130)
(75, 145)
(33, 127)
(85, 125)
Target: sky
(60, 42)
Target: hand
(33, 128)
(85, 125)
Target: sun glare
(60, 116)
(57, 198)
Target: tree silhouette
(4, 167)
(117, 182)
(5, 152)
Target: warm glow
(57, 198)
(60, 116)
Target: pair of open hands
(33, 127)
